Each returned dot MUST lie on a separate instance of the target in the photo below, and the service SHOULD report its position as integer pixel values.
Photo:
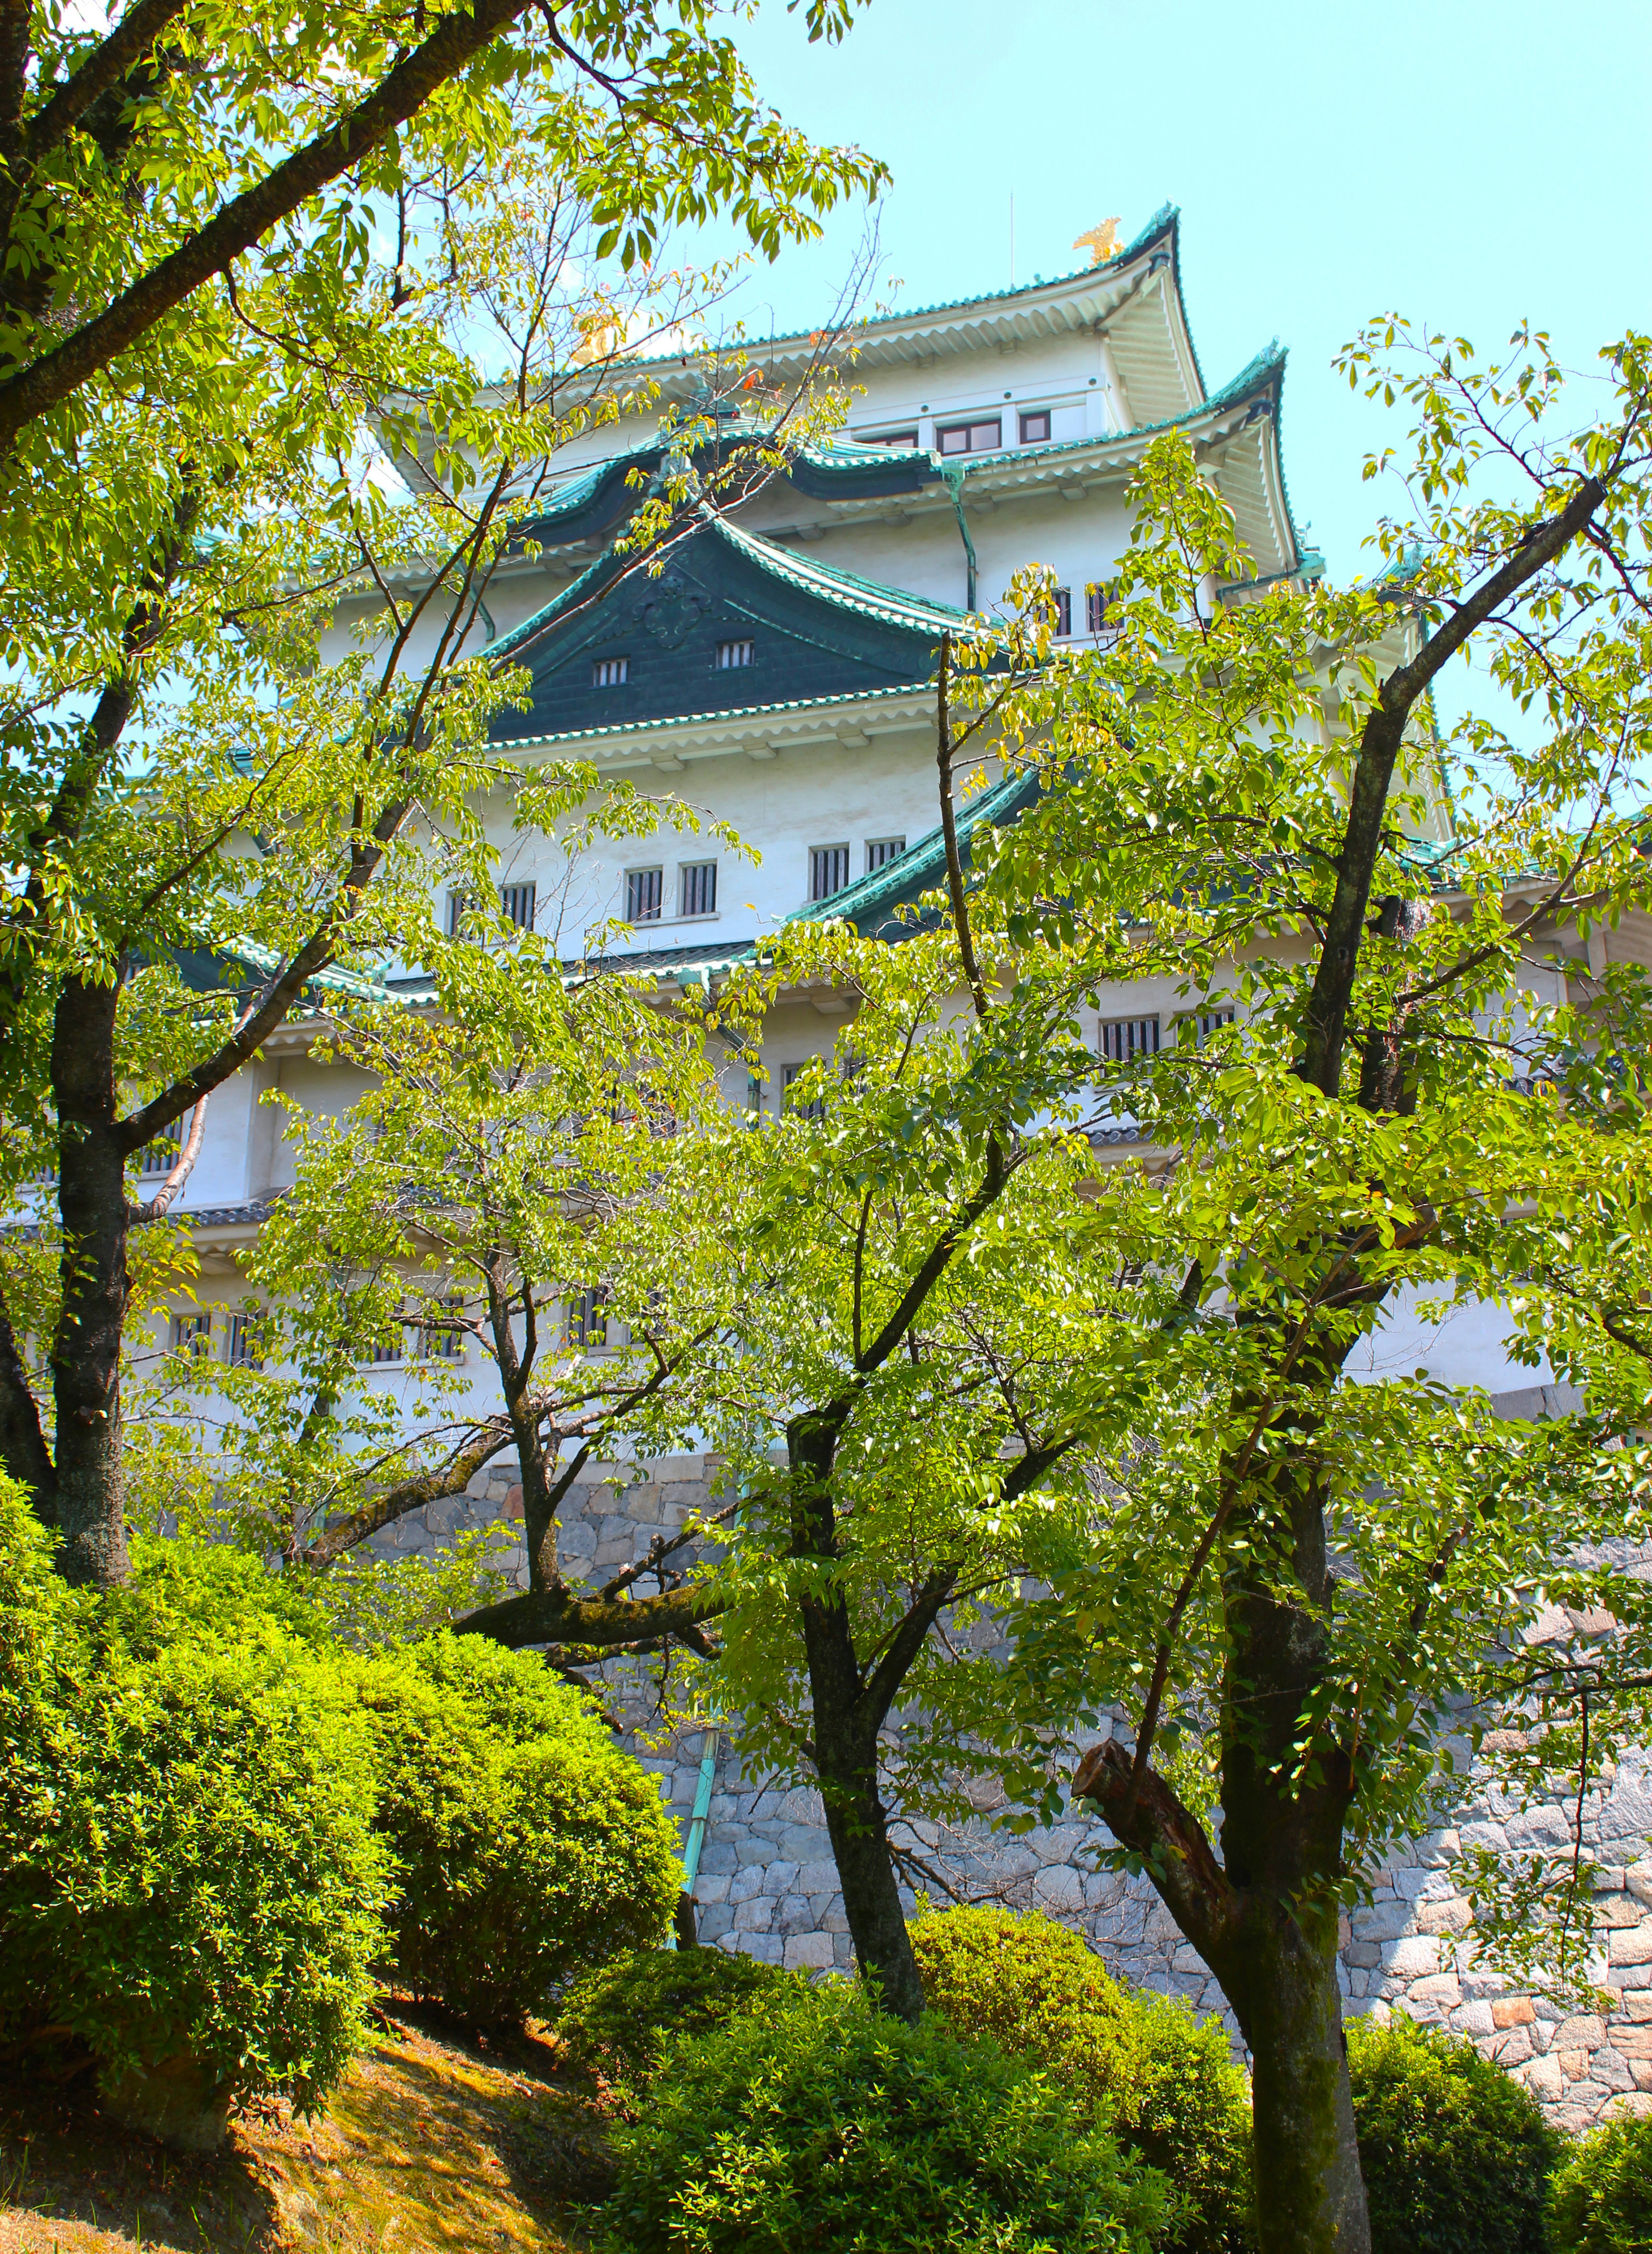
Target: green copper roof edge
(857, 593)
(721, 714)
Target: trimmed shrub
(529, 1847)
(1456, 2153)
(622, 2020)
(1165, 2083)
(190, 1886)
(812, 2120)
(1601, 2202)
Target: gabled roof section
(624, 645)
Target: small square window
(1125, 1038)
(881, 851)
(828, 871)
(1035, 428)
(611, 673)
(733, 652)
(193, 1334)
(982, 438)
(516, 905)
(699, 888)
(645, 895)
(1095, 610)
(1063, 611)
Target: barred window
(385, 1348)
(1125, 1038)
(457, 908)
(754, 1099)
(243, 1343)
(587, 1327)
(733, 652)
(443, 1342)
(1095, 609)
(516, 905)
(161, 1156)
(192, 1334)
(828, 871)
(645, 895)
(815, 1107)
(611, 673)
(881, 851)
(699, 888)
(1063, 610)
(1200, 1024)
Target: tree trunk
(1309, 2194)
(86, 1352)
(846, 1720)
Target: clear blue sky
(1466, 162)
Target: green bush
(622, 2020)
(188, 1874)
(1601, 2202)
(811, 2120)
(1166, 2082)
(1456, 2153)
(529, 1847)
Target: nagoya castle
(778, 674)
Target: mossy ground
(437, 2138)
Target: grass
(437, 2138)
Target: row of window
(1120, 1040)
(976, 434)
(584, 1328)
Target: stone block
(1059, 1890)
(817, 1879)
(1473, 2019)
(1632, 2042)
(793, 1914)
(756, 1915)
(1514, 2049)
(779, 1877)
(1439, 1990)
(1512, 2012)
(1610, 2071)
(1414, 1957)
(1630, 1945)
(765, 1947)
(1383, 1922)
(1449, 1916)
(804, 1843)
(1364, 1953)
(749, 1848)
(746, 1883)
(808, 1952)
(710, 1886)
(1618, 1913)
(715, 1921)
(1543, 2077)
(717, 1855)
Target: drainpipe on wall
(953, 473)
(685, 1936)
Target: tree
(1304, 1595)
(505, 1183)
(185, 498)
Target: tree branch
(23, 1448)
(1146, 1816)
(50, 380)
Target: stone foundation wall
(767, 1885)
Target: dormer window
(611, 673)
(983, 437)
(733, 652)
(1035, 427)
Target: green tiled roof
(825, 582)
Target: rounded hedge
(1456, 2153)
(810, 2119)
(190, 1884)
(1166, 2082)
(1601, 2200)
(529, 1847)
(622, 2020)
